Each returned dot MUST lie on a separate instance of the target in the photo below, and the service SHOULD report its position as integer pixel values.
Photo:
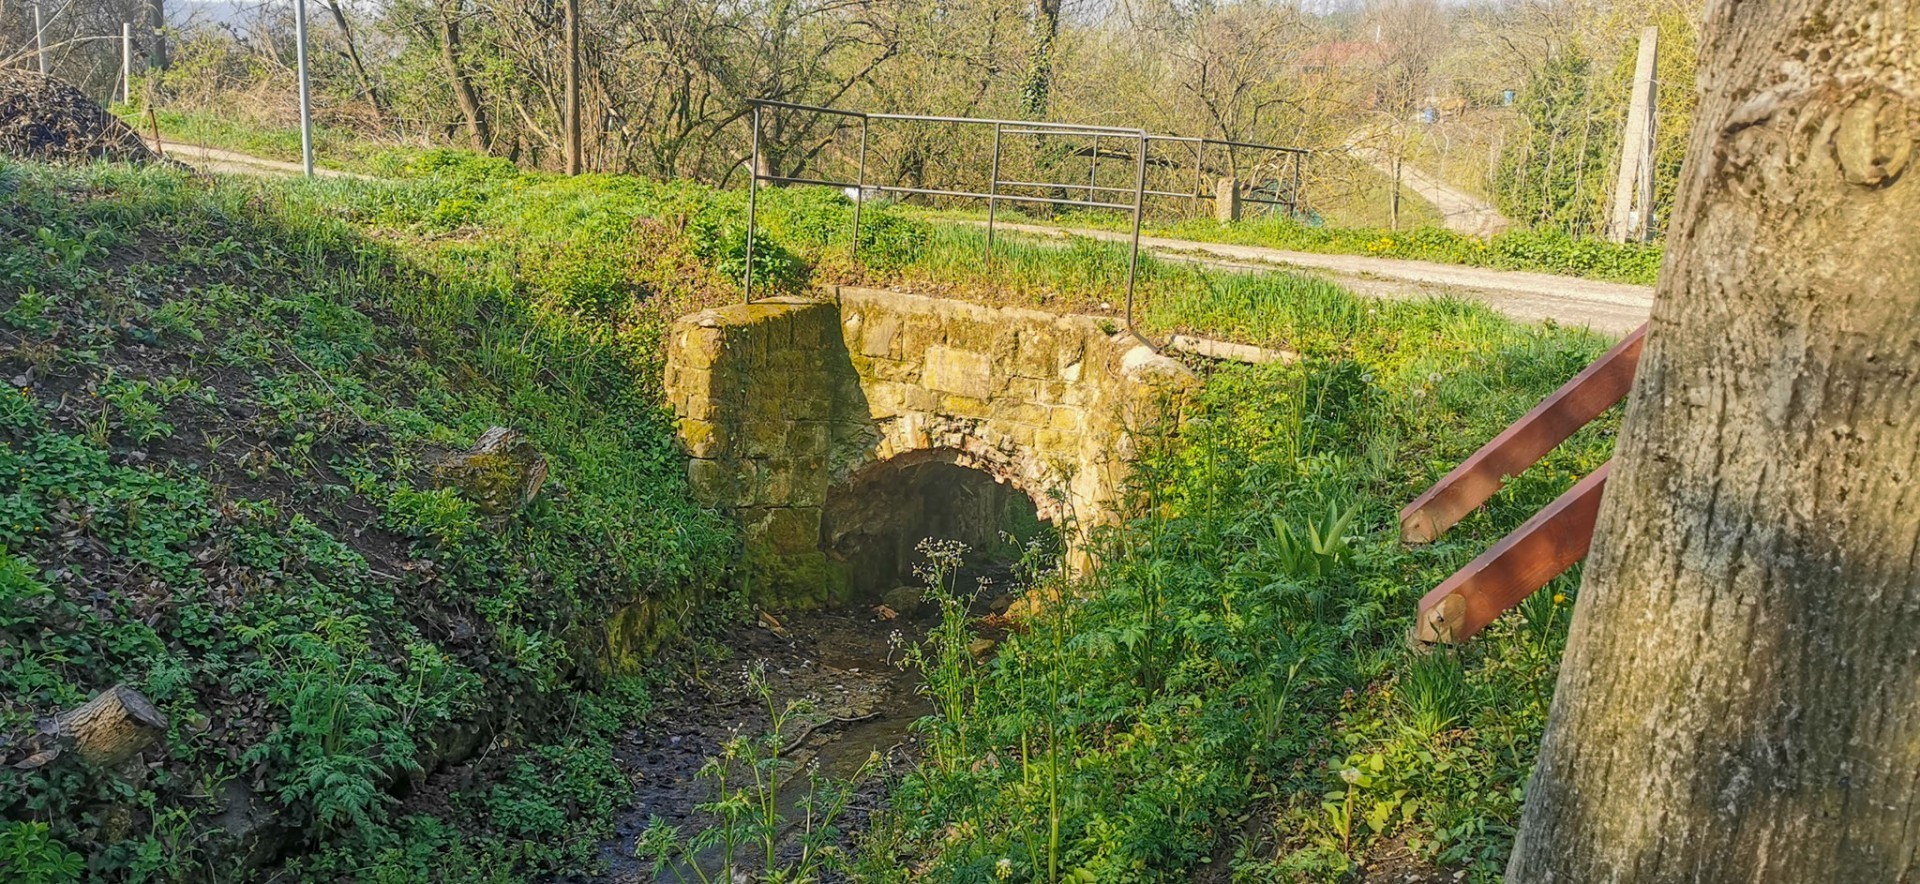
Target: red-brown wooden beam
(1522, 562)
(1521, 445)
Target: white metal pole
(126, 62)
(39, 40)
(306, 104)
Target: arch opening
(874, 523)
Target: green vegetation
(1540, 251)
(225, 409)
(232, 398)
(1233, 685)
(333, 148)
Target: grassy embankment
(1537, 251)
(223, 439)
(1357, 224)
(219, 439)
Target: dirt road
(213, 159)
(1613, 308)
(1610, 307)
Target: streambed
(845, 665)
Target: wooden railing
(1550, 542)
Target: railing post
(753, 204)
(1093, 169)
(1294, 201)
(39, 40)
(1139, 201)
(306, 100)
(859, 192)
(993, 194)
(1199, 176)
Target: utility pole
(573, 87)
(39, 40)
(126, 62)
(306, 103)
(1630, 218)
(160, 56)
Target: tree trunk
(1037, 95)
(1740, 695)
(353, 57)
(158, 56)
(479, 134)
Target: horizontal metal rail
(965, 194)
(1246, 145)
(1142, 145)
(1085, 187)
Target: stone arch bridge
(794, 411)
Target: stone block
(699, 407)
(711, 481)
(702, 439)
(765, 437)
(975, 333)
(920, 399)
(961, 372)
(1036, 353)
(878, 336)
(791, 529)
(1013, 412)
(918, 334)
(1068, 419)
(698, 347)
(965, 406)
(808, 439)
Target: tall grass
(1232, 685)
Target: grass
(235, 395)
(1530, 250)
(333, 148)
(1232, 687)
(1357, 216)
(226, 410)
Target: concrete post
(1633, 189)
(39, 40)
(306, 101)
(126, 62)
(1226, 200)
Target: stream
(844, 665)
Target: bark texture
(113, 726)
(1740, 697)
(465, 94)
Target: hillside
(227, 419)
(233, 411)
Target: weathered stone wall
(783, 401)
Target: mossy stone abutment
(787, 406)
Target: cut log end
(113, 726)
(1440, 623)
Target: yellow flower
(1559, 598)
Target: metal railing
(1001, 189)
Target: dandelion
(1559, 598)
